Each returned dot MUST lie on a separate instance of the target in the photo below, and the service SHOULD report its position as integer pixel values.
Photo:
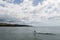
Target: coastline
(13, 25)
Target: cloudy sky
(33, 12)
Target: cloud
(26, 13)
(36, 2)
(14, 1)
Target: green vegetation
(13, 25)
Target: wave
(47, 33)
(44, 33)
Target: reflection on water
(46, 33)
(24, 33)
(16, 33)
(46, 37)
(36, 36)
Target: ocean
(27, 33)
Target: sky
(32, 12)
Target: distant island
(13, 25)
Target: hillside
(13, 25)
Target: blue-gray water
(15, 33)
(26, 33)
(51, 29)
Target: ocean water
(47, 29)
(26, 33)
(47, 37)
(16, 33)
(54, 30)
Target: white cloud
(27, 13)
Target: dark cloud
(2, 5)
